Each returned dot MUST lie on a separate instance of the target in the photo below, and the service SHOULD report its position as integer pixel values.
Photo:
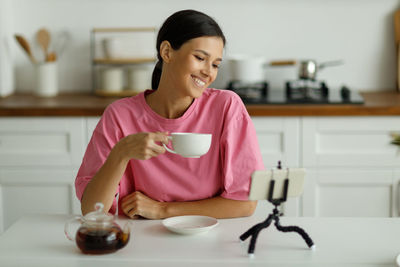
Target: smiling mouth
(198, 82)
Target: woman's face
(194, 66)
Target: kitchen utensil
(397, 44)
(188, 225)
(248, 69)
(61, 39)
(308, 69)
(25, 46)
(99, 233)
(43, 38)
(283, 62)
(51, 57)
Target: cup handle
(169, 149)
(66, 227)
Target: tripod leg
(255, 230)
(249, 232)
(296, 229)
(253, 240)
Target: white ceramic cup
(189, 145)
(46, 79)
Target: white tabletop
(39, 241)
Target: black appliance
(302, 91)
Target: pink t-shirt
(224, 171)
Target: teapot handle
(66, 227)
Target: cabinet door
(349, 141)
(91, 125)
(350, 193)
(32, 191)
(396, 197)
(41, 141)
(39, 158)
(279, 140)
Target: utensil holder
(46, 79)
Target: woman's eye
(199, 58)
(216, 66)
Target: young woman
(125, 155)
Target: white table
(39, 241)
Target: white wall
(358, 31)
(6, 72)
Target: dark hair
(181, 27)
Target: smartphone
(261, 181)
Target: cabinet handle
(398, 198)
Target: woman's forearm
(217, 207)
(103, 185)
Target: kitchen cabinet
(350, 193)
(91, 123)
(352, 170)
(38, 142)
(279, 140)
(351, 166)
(349, 142)
(39, 158)
(396, 197)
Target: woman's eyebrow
(207, 54)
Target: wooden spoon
(397, 40)
(51, 57)
(25, 45)
(43, 38)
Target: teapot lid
(98, 216)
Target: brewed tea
(101, 241)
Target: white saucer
(188, 225)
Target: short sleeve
(104, 137)
(240, 154)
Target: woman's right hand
(141, 145)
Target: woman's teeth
(199, 82)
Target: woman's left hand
(139, 204)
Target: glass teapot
(99, 233)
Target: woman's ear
(166, 51)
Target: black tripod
(255, 230)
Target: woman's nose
(206, 69)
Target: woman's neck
(167, 104)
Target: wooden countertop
(382, 103)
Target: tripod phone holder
(275, 185)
